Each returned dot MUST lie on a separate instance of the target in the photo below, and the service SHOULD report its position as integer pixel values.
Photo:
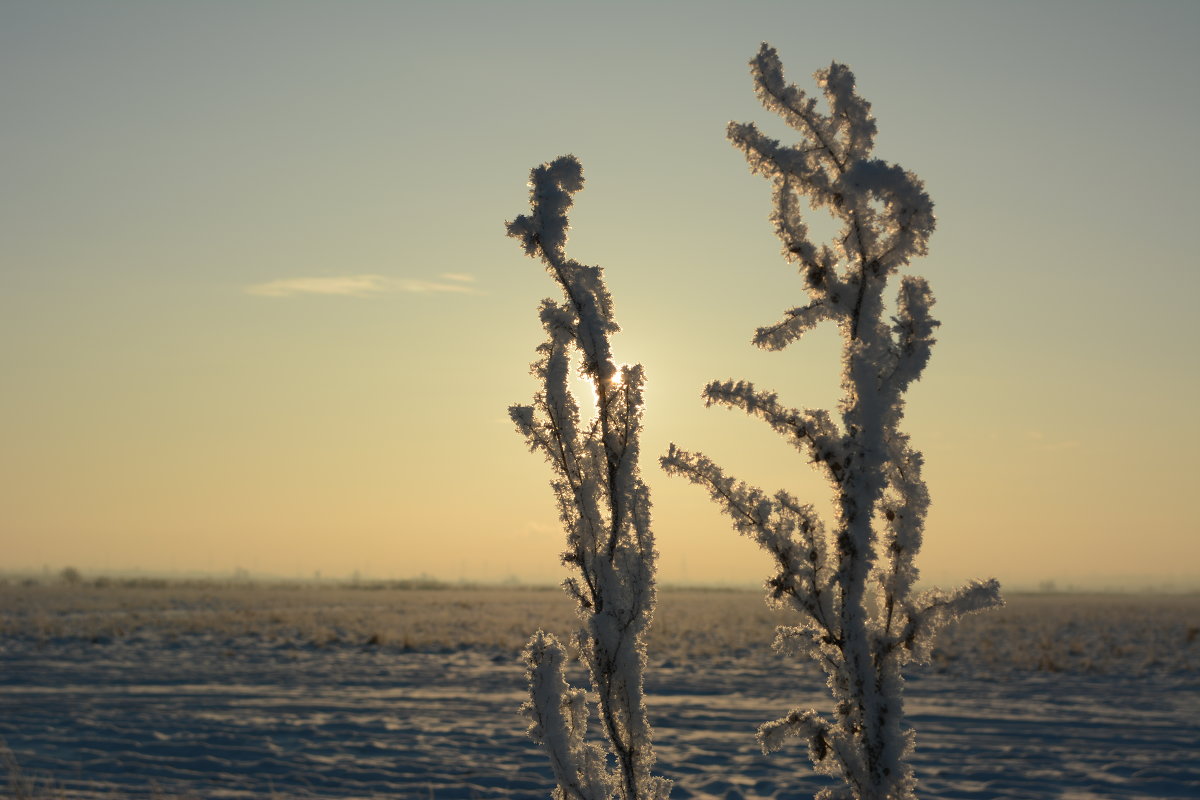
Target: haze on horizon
(258, 310)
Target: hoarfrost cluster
(605, 509)
(850, 584)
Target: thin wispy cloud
(364, 286)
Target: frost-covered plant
(605, 509)
(852, 586)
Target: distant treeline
(241, 579)
(73, 577)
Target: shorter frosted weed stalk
(860, 617)
(605, 509)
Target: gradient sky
(258, 310)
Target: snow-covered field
(206, 691)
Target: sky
(257, 308)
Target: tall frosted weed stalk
(605, 509)
(851, 583)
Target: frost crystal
(851, 585)
(605, 509)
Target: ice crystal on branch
(605, 510)
(851, 583)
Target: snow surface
(225, 693)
